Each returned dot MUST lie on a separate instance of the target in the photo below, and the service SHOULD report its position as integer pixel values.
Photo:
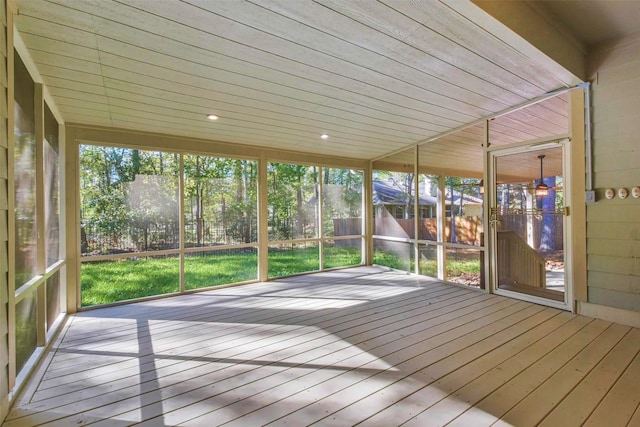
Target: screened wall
(155, 222)
(36, 296)
(394, 211)
(314, 218)
(428, 220)
(160, 222)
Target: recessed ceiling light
(212, 117)
(324, 136)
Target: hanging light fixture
(542, 189)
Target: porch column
(441, 254)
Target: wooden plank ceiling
(376, 76)
(461, 153)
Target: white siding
(613, 226)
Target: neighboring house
(400, 204)
(387, 195)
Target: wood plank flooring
(361, 346)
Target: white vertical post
(575, 200)
(416, 210)
(487, 200)
(529, 200)
(62, 155)
(441, 221)
(72, 222)
(263, 211)
(181, 221)
(367, 215)
(319, 219)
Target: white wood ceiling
(376, 76)
(461, 153)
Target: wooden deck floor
(359, 346)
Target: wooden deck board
(541, 401)
(494, 406)
(576, 407)
(362, 345)
(342, 378)
(490, 380)
(230, 383)
(347, 391)
(413, 405)
(621, 401)
(389, 394)
(434, 300)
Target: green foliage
(294, 194)
(120, 186)
(26, 333)
(129, 203)
(294, 260)
(389, 259)
(220, 193)
(293, 199)
(130, 197)
(457, 266)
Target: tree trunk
(300, 219)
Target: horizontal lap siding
(613, 226)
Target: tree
(341, 198)
(220, 199)
(125, 194)
(292, 201)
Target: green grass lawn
(458, 264)
(286, 261)
(202, 271)
(391, 260)
(301, 260)
(104, 282)
(342, 256)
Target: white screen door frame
(493, 156)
